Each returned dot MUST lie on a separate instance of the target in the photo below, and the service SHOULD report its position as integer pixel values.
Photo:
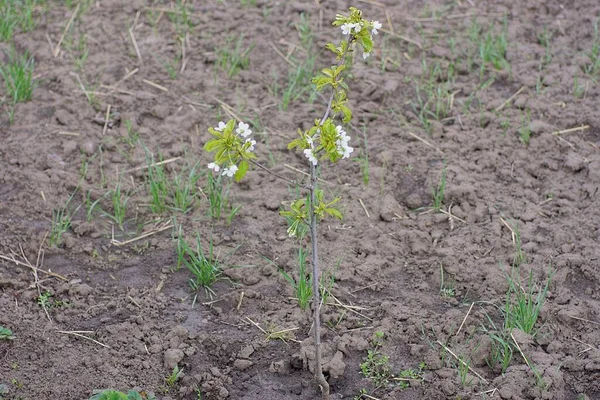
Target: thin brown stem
(319, 377)
(275, 174)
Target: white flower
(230, 171)
(376, 25)
(308, 153)
(342, 142)
(357, 27)
(309, 140)
(214, 167)
(366, 55)
(347, 151)
(347, 28)
(221, 126)
(243, 129)
(252, 143)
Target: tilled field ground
(519, 211)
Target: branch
(275, 174)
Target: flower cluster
(233, 147)
(342, 143)
(323, 141)
(358, 29)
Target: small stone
(389, 208)
(336, 366)
(241, 365)
(280, 367)
(89, 147)
(81, 290)
(250, 279)
(63, 117)
(178, 331)
(574, 162)
(272, 204)
(537, 127)
(223, 393)
(246, 352)
(155, 348)
(172, 358)
(413, 201)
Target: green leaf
(338, 70)
(347, 113)
(331, 47)
(133, 395)
(328, 72)
(294, 143)
(321, 81)
(212, 145)
(242, 169)
(366, 42)
(334, 213)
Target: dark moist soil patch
(141, 313)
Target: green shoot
(119, 203)
(578, 90)
(363, 160)
(61, 222)
(519, 257)
(218, 198)
(158, 184)
(594, 55)
(183, 190)
(545, 39)
(132, 137)
(79, 51)
(525, 130)
(231, 58)
(204, 267)
(108, 394)
(181, 18)
(523, 304)
(172, 379)
(303, 285)
(439, 192)
(6, 334)
(18, 80)
(463, 371)
(447, 289)
(376, 366)
(171, 66)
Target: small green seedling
(18, 80)
(217, 193)
(525, 129)
(376, 366)
(524, 302)
(303, 285)
(439, 192)
(158, 184)
(133, 136)
(184, 189)
(172, 379)
(578, 89)
(108, 394)
(447, 289)
(119, 203)
(204, 267)
(6, 334)
(45, 300)
(231, 58)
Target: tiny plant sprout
(325, 142)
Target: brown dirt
(390, 260)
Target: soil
(391, 249)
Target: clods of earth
(467, 262)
